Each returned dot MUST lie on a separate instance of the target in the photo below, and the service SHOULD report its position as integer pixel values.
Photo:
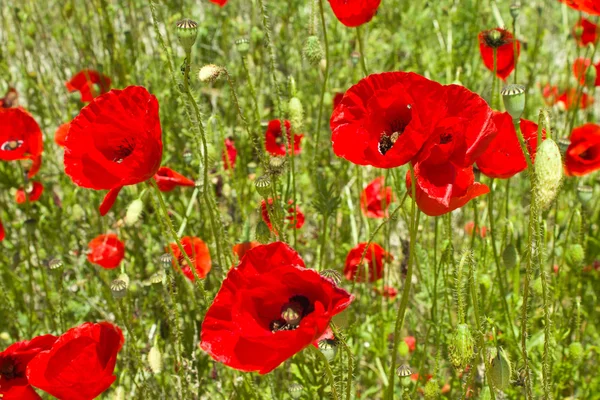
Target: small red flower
(583, 154)
(219, 2)
(269, 308)
(502, 40)
(32, 193)
(568, 99)
(481, 230)
(197, 252)
(441, 188)
(13, 367)
(294, 214)
(275, 142)
(504, 158)
(550, 94)
(411, 342)
(20, 136)
(2, 231)
(241, 249)
(589, 32)
(580, 67)
(80, 365)
(106, 251)
(167, 179)
(354, 13)
(373, 260)
(587, 6)
(229, 154)
(10, 99)
(89, 83)
(61, 134)
(375, 199)
(388, 292)
(114, 141)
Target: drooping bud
(575, 255)
(187, 31)
(312, 51)
(243, 46)
(296, 112)
(548, 170)
(263, 186)
(263, 234)
(295, 390)
(510, 256)
(585, 194)
(155, 360)
(461, 346)
(513, 96)
(134, 211)
(210, 73)
(500, 370)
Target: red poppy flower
(10, 99)
(589, 32)
(81, 363)
(388, 292)
(580, 67)
(583, 154)
(241, 249)
(550, 94)
(375, 199)
(481, 230)
(411, 343)
(2, 231)
(167, 179)
(13, 367)
(373, 260)
(20, 136)
(354, 13)
(504, 158)
(114, 141)
(32, 193)
(61, 134)
(274, 141)
(568, 99)
(269, 308)
(587, 6)
(337, 99)
(503, 41)
(298, 215)
(197, 252)
(219, 2)
(441, 188)
(229, 154)
(89, 83)
(106, 251)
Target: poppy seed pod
(263, 186)
(155, 360)
(329, 348)
(585, 194)
(500, 370)
(187, 32)
(166, 260)
(575, 255)
(296, 112)
(295, 390)
(55, 263)
(548, 170)
(243, 46)
(118, 288)
(513, 97)
(515, 9)
(312, 51)
(461, 346)
(210, 73)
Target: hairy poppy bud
(295, 390)
(263, 233)
(576, 352)
(134, 211)
(187, 31)
(210, 73)
(510, 256)
(461, 346)
(312, 51)
(263, 186)
(500, 370)
(548, 170)
(329, 348)
(243, 46)
(584, 194)
(296, 112)
(515, 8)
(514, 100)
(431, 390)
(155, 360)
(574, 256)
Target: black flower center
(8, 368)
(118, 150)
(11, 145)
(495, 38)
(445, 138)
(398, 123)
(291, 314)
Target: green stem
(328, 371)
(363, 61)
(323, 86)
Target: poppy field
(323, 199)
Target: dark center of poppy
(11, 145)
(590, 153)
(291, 314)
(495, 38)
(8, 368)
(445, 138)
(122, 150)
(397, 125)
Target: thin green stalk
(359, 39)
(328, 372)
(323, 87)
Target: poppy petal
(109, 200)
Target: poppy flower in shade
(229, 154)
(114, 141)
(89, 83)
(580, 67)
(583, 154)
(587, 6)
(219, 2)
(374, 258)
(197, 252)
(503, 41)
(550, 94)
(32, 193)
(10, 99)
(411, 342)
(167, 179)
(504, 158)
(13, 367)
(2, 231)
(385, 119)
(106, 251)
(294, 214)
(269, 308)
(354, 13)
(20, 136)
(588, 30)
(375, 199)
(275, 142)
(61, 134)
(481, 230)
(81, 363)
(241, 249)
(568, 99)
(441, 188)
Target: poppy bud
(575, 255)
(461, 346)
(578, 31)
(263, 186)
(514, 100)
(432, 390)
(296, 113)
(166, 260)
(243, 46)
(134, 211)
(576, 352)
(510, 256)
(55, 263)
(155, 360)
(403, 349)
(584, 194)
(548, 170)
(295, 390)
(329, 348)
(187, 31)
(515, 8)
(312, 51)
(210, 73)
(323, 65)
(118, 288)
(263, 233)
(563, 145)
(590, 77)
